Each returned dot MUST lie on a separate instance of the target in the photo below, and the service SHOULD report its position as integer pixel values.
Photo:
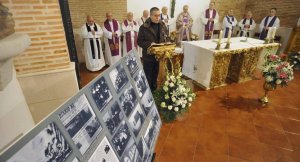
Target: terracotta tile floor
(228, 124)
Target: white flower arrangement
(176, 96)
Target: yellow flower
(167, 96)
(163, 104)
(165, 88)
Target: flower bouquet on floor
(276, 71)
(173, 97)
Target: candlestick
(274, 32)
(269, 33)
(220, 36)
(229, 35)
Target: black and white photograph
(155, 117)
(147, 101)
(150, 134)
(128, 100)
(104, 153)
(113, 117)
(121, 138)
(141, 83)
(143, 149)
(131, 153)
(152, 129)
(49, 145)
(131, 63)
(81, 123)
(136, 120)
(118, 77)
(101, 93)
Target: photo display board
(112, 119)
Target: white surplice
(110, 60)
(92, 64)
(131, 27)
(204, 21)
(242, 27)
(229, 24)
(276, 23)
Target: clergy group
(112, 31)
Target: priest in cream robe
(165, 18)
(246, 25)
(130, 30)
(112, 34)
(91, 33)
(269, 21)
(229, 23)
(184, 25)
(209, 18)
(145, 16)
(140, 22)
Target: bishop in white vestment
(130, 30)
(184, 23)
(112, 34)
(91, 33)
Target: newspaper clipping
(131, 153)
(49, 145)
(81, 123)
(104, 153)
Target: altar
(211, 68)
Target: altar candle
(220, 36)
(269, 33)
(229, 35)
(274, 32)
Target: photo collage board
(112, 119)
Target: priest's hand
(246, 26)
(93, 32)
(114, 34)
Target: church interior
(43, 64)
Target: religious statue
(7, 23)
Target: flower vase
(267, 87)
